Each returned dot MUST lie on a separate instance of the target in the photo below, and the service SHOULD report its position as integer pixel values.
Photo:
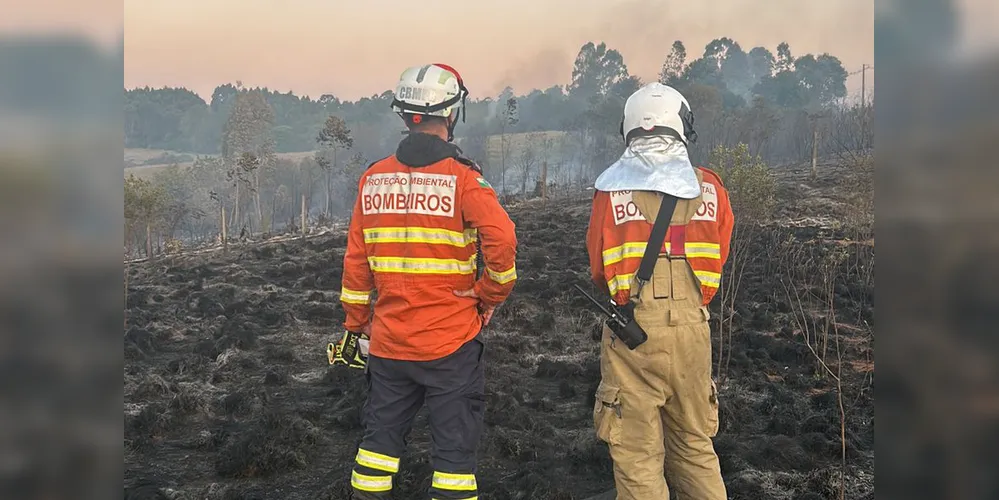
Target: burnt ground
(228, 394)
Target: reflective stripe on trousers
(453, 389)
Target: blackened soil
(228, 394)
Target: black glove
(351, 350)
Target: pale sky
(358, 48)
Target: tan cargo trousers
(657, 405)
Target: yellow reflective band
(413, 265)
(708, 278)
(370, 483)
(454, 482)
(377, 461)
(634, 250)
(503, 277)
(354, 297)
(626, 251)
(433, 236)
(698, 250)
(619, 282)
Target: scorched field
(228, 393)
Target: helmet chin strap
(460, 111)
(451, 123)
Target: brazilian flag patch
(484, 183)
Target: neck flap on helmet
(653, 163)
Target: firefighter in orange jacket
(412, 242)
(657, 405)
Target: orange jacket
(618, 234)
(412, 239)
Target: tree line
(783, 108)
(724, 77)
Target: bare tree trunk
(503, 162)
(129, 240)
(235, 208)
(544, 180)
(225, 237)
(863, 86)
(256, 197)
(303, 215)
(815, 151)
(329, 188)
(273, 209)
(149, 241)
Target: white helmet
(433, 90)
(657, 106)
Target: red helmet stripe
(452, 70)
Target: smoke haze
(357, 49)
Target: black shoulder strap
(656, 240)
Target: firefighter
(412, 244)
(657, 405)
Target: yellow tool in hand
(351, 350)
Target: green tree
(596, 70)
(624, 88)
(332, 139)
(761, 64)
(182, 206)
(674, 65)
(248, 147)
(352, 170)
(749, 180)
(144, 208)
(785, 61)
(822, 78)
(752, 190)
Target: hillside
(228, 393)
(146, 162)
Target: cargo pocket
(661, 279)
(712, 427)
(682, 278)
(607, 414)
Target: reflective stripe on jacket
(618, 233)
(412, 240)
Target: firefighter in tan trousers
(657, 406)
